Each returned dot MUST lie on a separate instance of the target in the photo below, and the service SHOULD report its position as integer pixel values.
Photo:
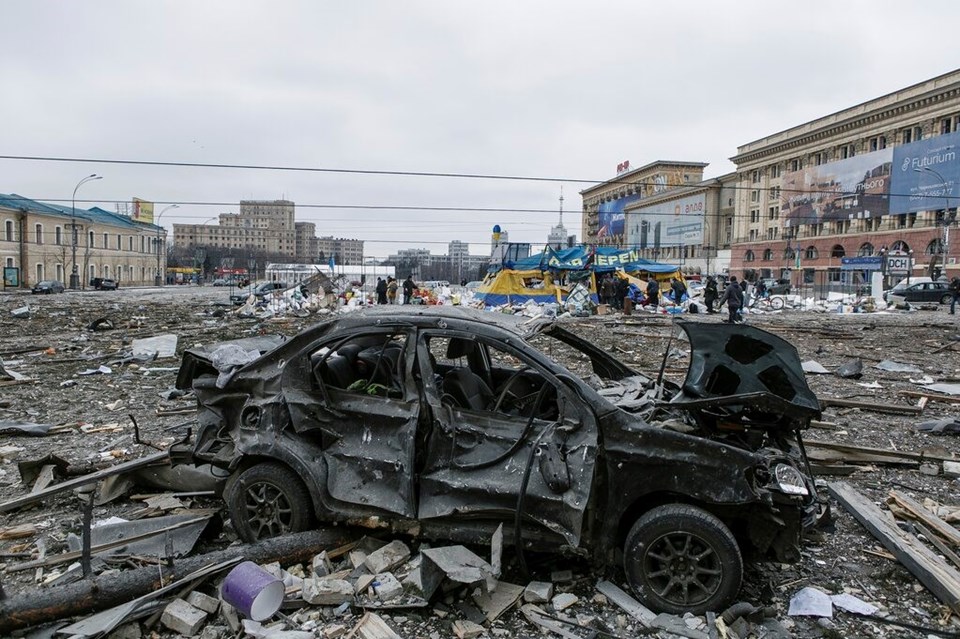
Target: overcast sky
(550, 89)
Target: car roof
(520, 325)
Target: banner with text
(926, 175)
(674, 223)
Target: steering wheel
(507, 385)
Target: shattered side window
(573, 359)
(370, 364)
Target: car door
(362, 408)
(520, 445)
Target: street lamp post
(158, 280)
(74, 276)
(945, 242)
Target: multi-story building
(343, 251)
(269, 227)
(47, 241)
(879, 177)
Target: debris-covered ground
(80, 387)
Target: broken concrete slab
(321, 565)
(372, 626)
(456, 563)
(502, 598)
(538, 592)
(388, 557)
(386, 587)
(182, 618)
(203, 601)
(563, 601)
(464, 629)
(160, 345)
(327, 592)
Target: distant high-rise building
(558, 237)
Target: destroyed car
(259, 292)
(445, 422)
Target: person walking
(408, 288)
(733, 297)
(381, 291)
(710, 294)
(653, 291)
(622, 287)
(955, 289)
(679, 289)
(607, 290)
(392, 287)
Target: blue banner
(926, 174)
(611, 218)
(864, 263)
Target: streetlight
(157, 280)
(946, 218)
(74, 276)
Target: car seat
(466, 389)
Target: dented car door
(495, 458)
(363, 407)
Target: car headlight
(790, 480)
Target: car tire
(679, 558)
(946, 299)
(267, 500)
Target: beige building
(874, 178)
(269, 227)
(36, 239)
(667, 212)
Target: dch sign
(898, 264)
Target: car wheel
(946, 299)
(267, 500)
(679, 558)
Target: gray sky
(553, 89)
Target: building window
(755, 177)
(90, 239)
(130, 243)
(775, 194)
(10, 262)
(118, 242)
(775, 170)
(8, 230)
(865, 250)
(106, 240)
(819, 158)
(773, 213)
(768, 255)
(935, 247)
(39, 231)
(754, 216)
(946, 125)
(58, 236)
(811, 253)
(748, 256)
(878, 143)
(59, 272)
(39, 272)
(837, 251)
(755, 195)
(847, 151)
(795, 164)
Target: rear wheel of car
(946, 299)
(679, 558)
(267, 500)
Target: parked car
(260, 290)
(901, 285)
(221, 282)
(777, 286)
(446, 422)
(45, 287)
(104, 284)
(920, 293)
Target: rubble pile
(87, 384)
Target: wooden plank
(942, 528)
(880, 408)
(939, 577)
(70, 484)
(880, 452)
(933, 397)
(939, 545)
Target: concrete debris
(159, 346)
(327, 592)
(385, 587)
(538, 592)
(464, 629)
(813, 367)
(493, 604)
(388, 557)
(896, 367)
(563, 601)
(183, 618)
(204, 602)
(21, 313)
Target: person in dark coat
(381, 291)
(623, 291)
(710, 294)
(653, 291)
(733, 297)
(679, 289)
(408, 288)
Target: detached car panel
(446, 423)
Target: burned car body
(446, 423)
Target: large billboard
(674, 223)
(926, 175)
(142, 211)
(858, 187)
(610, 216)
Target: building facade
(878, 178)
(37, 239)
(269, 227)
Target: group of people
(387, 290)
(613, 291)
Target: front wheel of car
(267, 500)
(679, 558)
(946, 299)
